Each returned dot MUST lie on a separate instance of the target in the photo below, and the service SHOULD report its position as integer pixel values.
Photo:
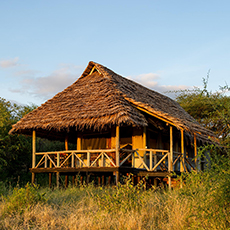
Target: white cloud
(47, 86)
(151, 80)
(9, 63)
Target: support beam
(33, 178)
(57, 179)
(33, 149)
(66, 143)
(170, 163)
(79, 146)
(66, 181)
(171, 150)
(182, 169)
(33, 154)
(117, 153)
(195, 152)
(144, 140)
(50, 180)
(117, 145)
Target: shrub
(124, 197)
(22, 199)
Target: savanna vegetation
(202, 203)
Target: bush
(22, 199)
(124, 197)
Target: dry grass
(80, 208)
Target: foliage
(212, 109)
(15, 150)
(22, 199)
(123, 197)
(210, 189)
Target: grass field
(200, 204)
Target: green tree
(211, 109)
(15, 150)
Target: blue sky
(162, 44)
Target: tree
(15, 150)
(211, 109)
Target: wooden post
(133, 159)
(117, 145)
(66, 148)
(155, 160)
(109, 180)
(50, 180)
(195, 152)
(57, 179)
(66, 143)
(170, 162)
(151, 160)
(182, 169)
(144, 142)
(58, 159)
(99, 180)
(72, 160)
(46, 161)
(73, 180)
(155, 182)
(79, 146)
(169, 182)
(33, 154)
(66, 180)
(103, 180)
(171, 150)
(102, 160)
(88, 159)
(117, 152)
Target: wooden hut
(118, 127)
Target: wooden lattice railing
(148, 159)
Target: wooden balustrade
(153, 159)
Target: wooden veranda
(141, 162)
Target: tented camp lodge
(117, 127)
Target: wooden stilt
(66, 180)
(171, 150)
(182, 169)
(195, 152)
(57, 179)
(169, 182)
(33, 154)
(133, 181)
(155, 182)
(87, 178)
(33, 178)
(99, 180)
(103, 180)
(81, 179)
(109, 180)
(117, 152)
(73, 180)
(117, 145)
(170, 163)
(144, 139)
(117, 178)
(50, 180)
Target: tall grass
(202, 203)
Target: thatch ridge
(103, 99)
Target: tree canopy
(212, 109)
(15, 150)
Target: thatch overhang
(99, 99)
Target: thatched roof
(101, 98)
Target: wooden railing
(148, 159)
(76, 158)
